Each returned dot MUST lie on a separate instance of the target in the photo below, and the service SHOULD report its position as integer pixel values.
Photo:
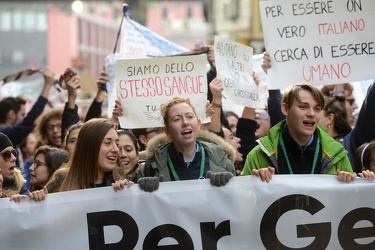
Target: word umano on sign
(322, 42)
(290, 212)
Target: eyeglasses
(52, 127)
(38, 164)
(156, 130)
(351, 101)
(263, 116)
(8, 154)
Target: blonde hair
(19, 181)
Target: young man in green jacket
(298, 145)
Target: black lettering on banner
(130, 233)
(98, 220)
(210, 236)
(321, 231)
(168, 231)
(347, 233)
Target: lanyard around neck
(316, 153)
(175, 175)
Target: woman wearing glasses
(14, 185)
(47, 160)
(13, 182)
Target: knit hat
(4, 142)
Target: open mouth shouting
(187, 132)
(309, 124)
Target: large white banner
(144, 85)
(321, 42)
(28, 84)
(290, 212)
(234, 68)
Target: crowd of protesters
(52, 150)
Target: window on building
(165, 12)
(18, 57)
(17, 20)
(232, 9)
(29, 21)
(189, 11)
(5, 21)
(80, 32)
(41, 21)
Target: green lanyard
(287, 159)
(176, 177)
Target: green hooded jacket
(334, 155)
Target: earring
(329, 125)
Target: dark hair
(6, 105)
(336, 105)
(230, 113)
(131, 136)
(363, 156)
(291, 94)
(137, 132)
(78, 125)
(54, 158)
(327, 90)
(41, 123)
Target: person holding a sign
(16, 127)
(185, 152)
(364, 158)
(362, 132)
(128, 154)
(298, 145)
(244, 140)
(13, 180)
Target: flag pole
(125, 8)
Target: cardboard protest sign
(136, 42)
(321, 42)
(143, 85)
(234, 68)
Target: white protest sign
(234, 68)
(321, 42)
(139, 42)
(144, 85)
(136, 42)
(289, 212)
